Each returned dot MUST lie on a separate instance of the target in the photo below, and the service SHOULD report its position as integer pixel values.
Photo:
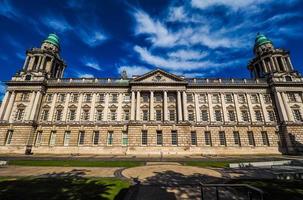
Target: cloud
(56, 22)
(8, 10)
(84, 75)
(188, 54)
(235, 4)
(92, 37)
(133, 70)
(91, 62)
(2, 90)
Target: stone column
(9, 106)
(35, 109)
(185, 115)
(133, 106)
(4, 104)
(272, 64)
(225, 118)
(65, 109)
(264, 111)
(251, 111)
(79, 109)
(210, 107)
(277, 64)
(151, 106)
(138, 106)
(106, 107)
(280, 107)
(264, 66)
(25, 63)
(237, 107)
(290, 64)
(288, 109)
(38, 63)
(42, 63)
(165, 105)
(198, 117)
(31, 62)
(52, 109)
(29, 108)
(284, 64)
(92, 109)
(179, 106)
(119, 109)
(62, 72)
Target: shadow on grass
(69, 185)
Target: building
(155, 113)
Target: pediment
(158, 76)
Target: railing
(252, 192)
(224, 81)
(89, 80)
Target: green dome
(261, 39)
(53, 39)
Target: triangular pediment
(158, 76)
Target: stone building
(155, 113)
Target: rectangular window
(81, 138)
(58, 115)
(110, 138)
(254, 98)
(216, 98)
(207, 138)
(113, 115)
(191, 115)
(52, 140)
(172, 115)
(85, 115)
(265, 138)
(202, 98)
(66, 138)
(267, 98)
(20, 114)
(159, 138)
(87, 98)
(251, 138)
(101, 98)
(145, 98)
(126, 98)
(193, 138)
(258, 115)
(171, 98)
(38, 138)
(218, 116)
(124, 138)
(204, 115)
(144, 137)
(228, 98)
(99, 115)
(145, 115)
(9, 137)
(222, 138)
(158, 115)
(61, 98)
(231, 116)
(291, 97)
(190, 98)
(126, 115)
(174, 138)
(158, 98)
(114, 98)
(74, 98)
(237, 138)
(96, 137)
(72, 115)
(241, 98)
(297, 115)
(44, 116)
(49, 97)
(245, 116)
(271, 115)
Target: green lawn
(76, 163)
(67, 188)
(207, 163)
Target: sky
(194, 38)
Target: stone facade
(155, 113)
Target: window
(207, 138)
(52, 140)
(61, 98)
(251, 139)
(110, 138)
(81, 138)
(159, 138)
(245, 116)
(254, 98)
(145, 98)
(144, 137)
(114, 98)
(58, 115)
(237, 138)
(267, 98)
(24, 97)
(126, 98)
(202, 98)
(231, 116)
(124, 138)
(190, 98)
(126, 115)
(158, 115)
(87, 98)
(241, 98)
(172, 115)
(193, 135)
(297, 114)
(291, 97)
(101, 98)
(191, 115)
(258, 115)
(96, 137)
(20, 114)
(44, 115)
(99, 115)
(72, 114)
(85, 115)
(49, 97)
(38, 138)
(288, 78)
(113, 115)
(66, 138)
(171, 98)
(74, 98)
(216, 98)
(9, 137)
(204, 115)
(218, 116)
(145, 115)
(174, 138)
(222, 138)
(228, 98)
(158, 98)
(271, 115)
(265, 138)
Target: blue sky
(201, 38)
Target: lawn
(68, 188)
(207, 163)
(76, 163)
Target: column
(165, 105)
(25, 63)
(290, 64)
(29, 108)
(264, 111)
(151, 106)
(119, 109)
(38, 63)
(198, 117)
(4, 104)
(225, 118)
(288, 110)
(237, 108)
(78, 114)
(277, 64)
(42, 63)
(272, 64)
(283, 63)
(280, 107)
(62, 72)
(179, 106)
(52, 109)
(251, 111)
(9, 106)
(31, 62)
(133, 108)
(264, 66)
(92, 109)
(35, 108)
(65, 109)
(210, 107)
(106, 107)
(138, 106)
(185, 115)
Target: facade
(155, 113)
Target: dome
(261, 39)
(53, 39)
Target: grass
(68, 188)
(76, 163)
(218, 164)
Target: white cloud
(91, 36)
(56, 22)
(91, 62)
(133, 70)
(235, 4)
(8, 10)
(85, 75)
(187, 54)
